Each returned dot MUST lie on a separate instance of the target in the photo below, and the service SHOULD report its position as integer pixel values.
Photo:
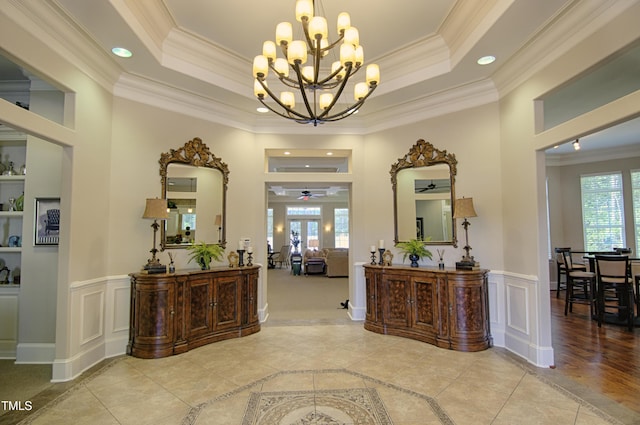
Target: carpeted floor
(312, 299)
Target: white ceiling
(427, 50)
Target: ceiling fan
(431, 186)
(305, 195)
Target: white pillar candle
(381, 244)
(250, 250)
(241, 245)
(373, 248)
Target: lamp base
(467, 263)
(153, 267)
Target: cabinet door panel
(252, 299)
(154, 324)
(425, 307)
(227, 294)
(371, 291)
(396, 308)
(199, 308)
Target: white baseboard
(35, 353)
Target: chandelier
(320, 87)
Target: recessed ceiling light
(307, 166)
(287, 153)
(486, 60)
(329, 153)
(121, 52)
(262, 109)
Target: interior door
(307, 230)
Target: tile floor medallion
(330, 407)
(339, 406)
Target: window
(341, 227)
(304, 211)
(635, 195)
(188, 220)
(602, 212)
(270, 227)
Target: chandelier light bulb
(287, 98)
(318, 27)
(304, 10)
(297, 52)
(284, 33)
(351, 36)
(325, 100)
(344, 22)
(269, 50)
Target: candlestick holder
(249, 258)
(381, 254)
(373, 258)
(241, 258)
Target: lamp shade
(156, 209)
(464, 208)
(314, 243)
(218, 221)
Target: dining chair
(581, 286)
(615, 289)
(635, 279)
(562, 270)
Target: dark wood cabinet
(447, 308)
(174, 312)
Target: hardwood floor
(605, 359)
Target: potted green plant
(415, 249)
(203, 253)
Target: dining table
(623, 300)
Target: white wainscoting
(357, 293)
(8, 320)
(516, 324)
(99, 324)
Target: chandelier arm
(351, 109)
(289, 117)
(338, 93)
(312, 115)
(275, 98)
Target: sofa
(337, 261)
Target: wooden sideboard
(448, 308)
(174, 312)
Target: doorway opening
(303, 216)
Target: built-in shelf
(17, 177)
(10, 249)
(11, 213)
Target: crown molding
(47, 22)
(161, 96)
(585, 157)
(571, 25)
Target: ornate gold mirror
(423, 195)
(194, 183)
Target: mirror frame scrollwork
(424, 154)
(196, 153)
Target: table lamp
(155, 209)
(463, 208)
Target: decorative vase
(414, 260)
(203, 264)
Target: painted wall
(110, 166)
(565, 211)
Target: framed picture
(47, 221)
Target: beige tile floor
(293, 370)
